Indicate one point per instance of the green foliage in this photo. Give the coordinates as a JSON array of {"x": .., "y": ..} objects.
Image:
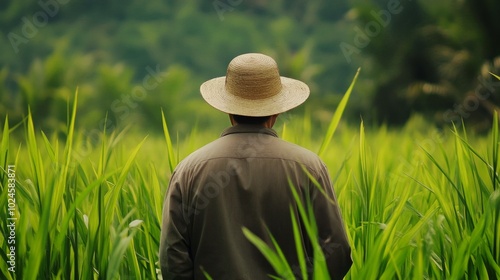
[
  {"x": 105, "y": 51},
  {"x": 426, "y": 58},
  {"x": 432, "y": 58},
  {"x": 336, "y": 117},
  {"x": 81, "y": 219},
  {"x": 417, "y": 203},
  {"x": 419, "y": 206}
]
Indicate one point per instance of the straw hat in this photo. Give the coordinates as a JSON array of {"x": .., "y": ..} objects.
[{"x": 253, "y": 87}]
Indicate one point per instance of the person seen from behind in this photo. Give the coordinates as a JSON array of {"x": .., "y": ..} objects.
[{"x": 244, "y": 179}]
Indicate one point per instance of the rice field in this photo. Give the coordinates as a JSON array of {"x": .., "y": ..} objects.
[{"x": 418, "y": 202}]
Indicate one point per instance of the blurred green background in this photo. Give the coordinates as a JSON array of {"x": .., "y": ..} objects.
[{"x": 129, "y": 59}]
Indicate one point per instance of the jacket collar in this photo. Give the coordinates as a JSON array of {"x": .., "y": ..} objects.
[{"x": 248, "y": 128}]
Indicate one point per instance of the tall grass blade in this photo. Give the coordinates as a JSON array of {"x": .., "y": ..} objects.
[
  {"x": 494, "y": 146},
  {"x": 496, "y": 190},
  {"x": 4, "y": 148},
  {"x": 298, "y": 245},
  {"x": 4, "y": 161},
  {"x": 113, "y": 196},
  {"x": 205, "y": 273},
  {"x": 279, "y": 265},
  {"x": 41, "y": 239},
  {"x": 172, "y": 160},
  {"x": 320, "y": 270},
  {"x": 336, "y": 117}
]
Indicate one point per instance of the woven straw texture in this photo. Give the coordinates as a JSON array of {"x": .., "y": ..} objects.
[{"x": 253, "y": 87}]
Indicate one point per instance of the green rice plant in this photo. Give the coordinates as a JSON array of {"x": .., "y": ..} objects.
[
  {"x": 337, "y": 116},
  {"x": 418, "y": 202},
  {"x": 172, "y": 159},
  {"x": 81, "y": 218},
  {"x": 468, "y": 233},
  {"x": 380, "y": 216}
]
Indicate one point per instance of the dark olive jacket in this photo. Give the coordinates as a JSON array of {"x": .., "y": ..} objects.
[{"x": 242, "y": 180}]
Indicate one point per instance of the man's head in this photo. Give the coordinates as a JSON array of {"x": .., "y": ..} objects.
[{"x": 253, "y": 87}]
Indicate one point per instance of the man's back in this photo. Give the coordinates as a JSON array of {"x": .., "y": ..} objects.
[{"x": 242, "y": 180}]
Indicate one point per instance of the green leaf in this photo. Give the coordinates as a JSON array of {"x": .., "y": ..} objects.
[
  {"x": 272, "y": 257},
  {"x": 336, "y": 117},
  {"x": 298, "y": 245},
  {"x": 172, "y": 160}
]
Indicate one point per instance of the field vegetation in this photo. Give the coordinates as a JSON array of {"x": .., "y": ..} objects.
[
  {"x": 418, "y": 203},
  {"x": 99, "y": 101}
]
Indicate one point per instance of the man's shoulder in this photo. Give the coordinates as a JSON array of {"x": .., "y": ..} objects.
[
  {"x": 299, "y": 154},
  {"x": 256, "y": 147}
]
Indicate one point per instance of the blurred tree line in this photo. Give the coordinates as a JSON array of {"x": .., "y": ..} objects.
[
  {"x": 130, "y": 58},
  {"x": 435, "y": 58}
]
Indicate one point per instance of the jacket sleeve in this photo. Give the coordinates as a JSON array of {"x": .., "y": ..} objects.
[
  {"x": 175, "y": 258},
  {"x": 331, "y": 230}
]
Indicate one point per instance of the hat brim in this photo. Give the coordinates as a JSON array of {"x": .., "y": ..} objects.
[{"x": 292, "y": 94}]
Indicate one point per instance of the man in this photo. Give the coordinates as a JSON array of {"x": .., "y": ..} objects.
[{"x": 242, "y": 180}]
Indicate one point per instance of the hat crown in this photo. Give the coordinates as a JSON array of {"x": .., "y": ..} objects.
[{"x": 253, "y": 76}]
